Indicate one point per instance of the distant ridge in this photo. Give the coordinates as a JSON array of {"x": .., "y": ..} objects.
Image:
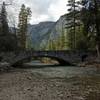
[{"x": 44, "y": 31}]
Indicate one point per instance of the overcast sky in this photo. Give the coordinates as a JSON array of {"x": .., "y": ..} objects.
[{"x": 42, "y": 10}]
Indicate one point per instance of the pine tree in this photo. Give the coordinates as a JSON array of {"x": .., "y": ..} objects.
[
  {"x": 72, "y": 21},
  {"x": 8, "y": 41},
  {"x": 24, "y": 16},
  {"x": 91, "y": 20},
  {"x": 4, "y": 22}
]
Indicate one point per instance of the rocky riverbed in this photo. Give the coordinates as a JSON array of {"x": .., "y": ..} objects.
[{"x": 45, "y": 84}]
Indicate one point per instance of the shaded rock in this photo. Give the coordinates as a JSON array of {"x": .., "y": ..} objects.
[{"x": 4, "y": 66}]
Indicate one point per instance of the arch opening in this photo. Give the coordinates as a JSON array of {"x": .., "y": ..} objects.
[{"x": 56, "y": 60}]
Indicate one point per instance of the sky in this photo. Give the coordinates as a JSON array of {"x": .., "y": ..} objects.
[{"x": 42, "y": 10}]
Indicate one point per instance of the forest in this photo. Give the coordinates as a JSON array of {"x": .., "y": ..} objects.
[
  {"x": 80, "y": 32},
  {"x": 43, "y": 57},
  {"x": 82, "y": 29}
]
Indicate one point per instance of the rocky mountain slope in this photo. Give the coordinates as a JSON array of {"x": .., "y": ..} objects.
[{"x": 41, "y": 33}]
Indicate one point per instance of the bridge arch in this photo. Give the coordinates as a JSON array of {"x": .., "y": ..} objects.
[
  {"x": 61, "y": 61},
  {"x": 63, "y": 57}
]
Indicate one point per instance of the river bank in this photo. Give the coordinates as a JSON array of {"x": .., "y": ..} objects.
[
  {"x": 63, "y": 83},
  {"x": 93, "y": 62}
]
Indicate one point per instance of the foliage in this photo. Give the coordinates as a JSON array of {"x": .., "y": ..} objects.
[
  {"x": 91, "y": 20},
  {"x": 87, "y": 15},
  {"x": 72, "y": 21},
  {"x": 58, "y": 44},
  {"x": 3, "y": 20},
  {"x": 6, "y": 37},
  {"x": 24, "y": 16}
]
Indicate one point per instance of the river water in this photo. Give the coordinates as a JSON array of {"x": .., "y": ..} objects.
[
  {"x": 82, "y": 83},
  {"x": 52, "y": 71}
]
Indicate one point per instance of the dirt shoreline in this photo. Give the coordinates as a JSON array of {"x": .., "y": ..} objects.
[{"x": 21, "y": 84}]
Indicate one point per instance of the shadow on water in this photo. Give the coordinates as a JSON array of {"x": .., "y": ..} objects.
[
  {"x": 34, "y": 66},
  {"x": 39, "y": 64}
]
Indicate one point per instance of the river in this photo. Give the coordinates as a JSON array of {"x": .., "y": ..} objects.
[
  {"x": 52, "y": 71},
  {"x": 39, "y": 81},
  {"x": 84, "y": 82}
]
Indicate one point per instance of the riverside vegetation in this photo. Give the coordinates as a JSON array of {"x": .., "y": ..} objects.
[
  {"x": 73, "y": 31},
  {"x": 79, "y": 29}
]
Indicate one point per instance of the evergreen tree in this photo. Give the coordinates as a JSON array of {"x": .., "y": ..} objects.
[
  {"x": 91, "y": 20},
  {"x": 72, "y": 21},
  {"x": 4, "y": 22},
  {"x": 8, "y": 41},
  {"x": 24, "y": 16}
]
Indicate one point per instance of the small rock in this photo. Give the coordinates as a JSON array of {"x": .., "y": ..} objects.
[
  {"x": 61, "y": 95},
  {"x": 29, "y": 78},
  {"x": 79, "y": 98}
]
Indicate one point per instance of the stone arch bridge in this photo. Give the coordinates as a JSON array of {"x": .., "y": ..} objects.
[{"x": 64, "y": 57}]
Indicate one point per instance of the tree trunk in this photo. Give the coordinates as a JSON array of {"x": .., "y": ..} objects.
[
  {"x": 97, "y": 28},
  {"x": 98, "y": 50}
]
